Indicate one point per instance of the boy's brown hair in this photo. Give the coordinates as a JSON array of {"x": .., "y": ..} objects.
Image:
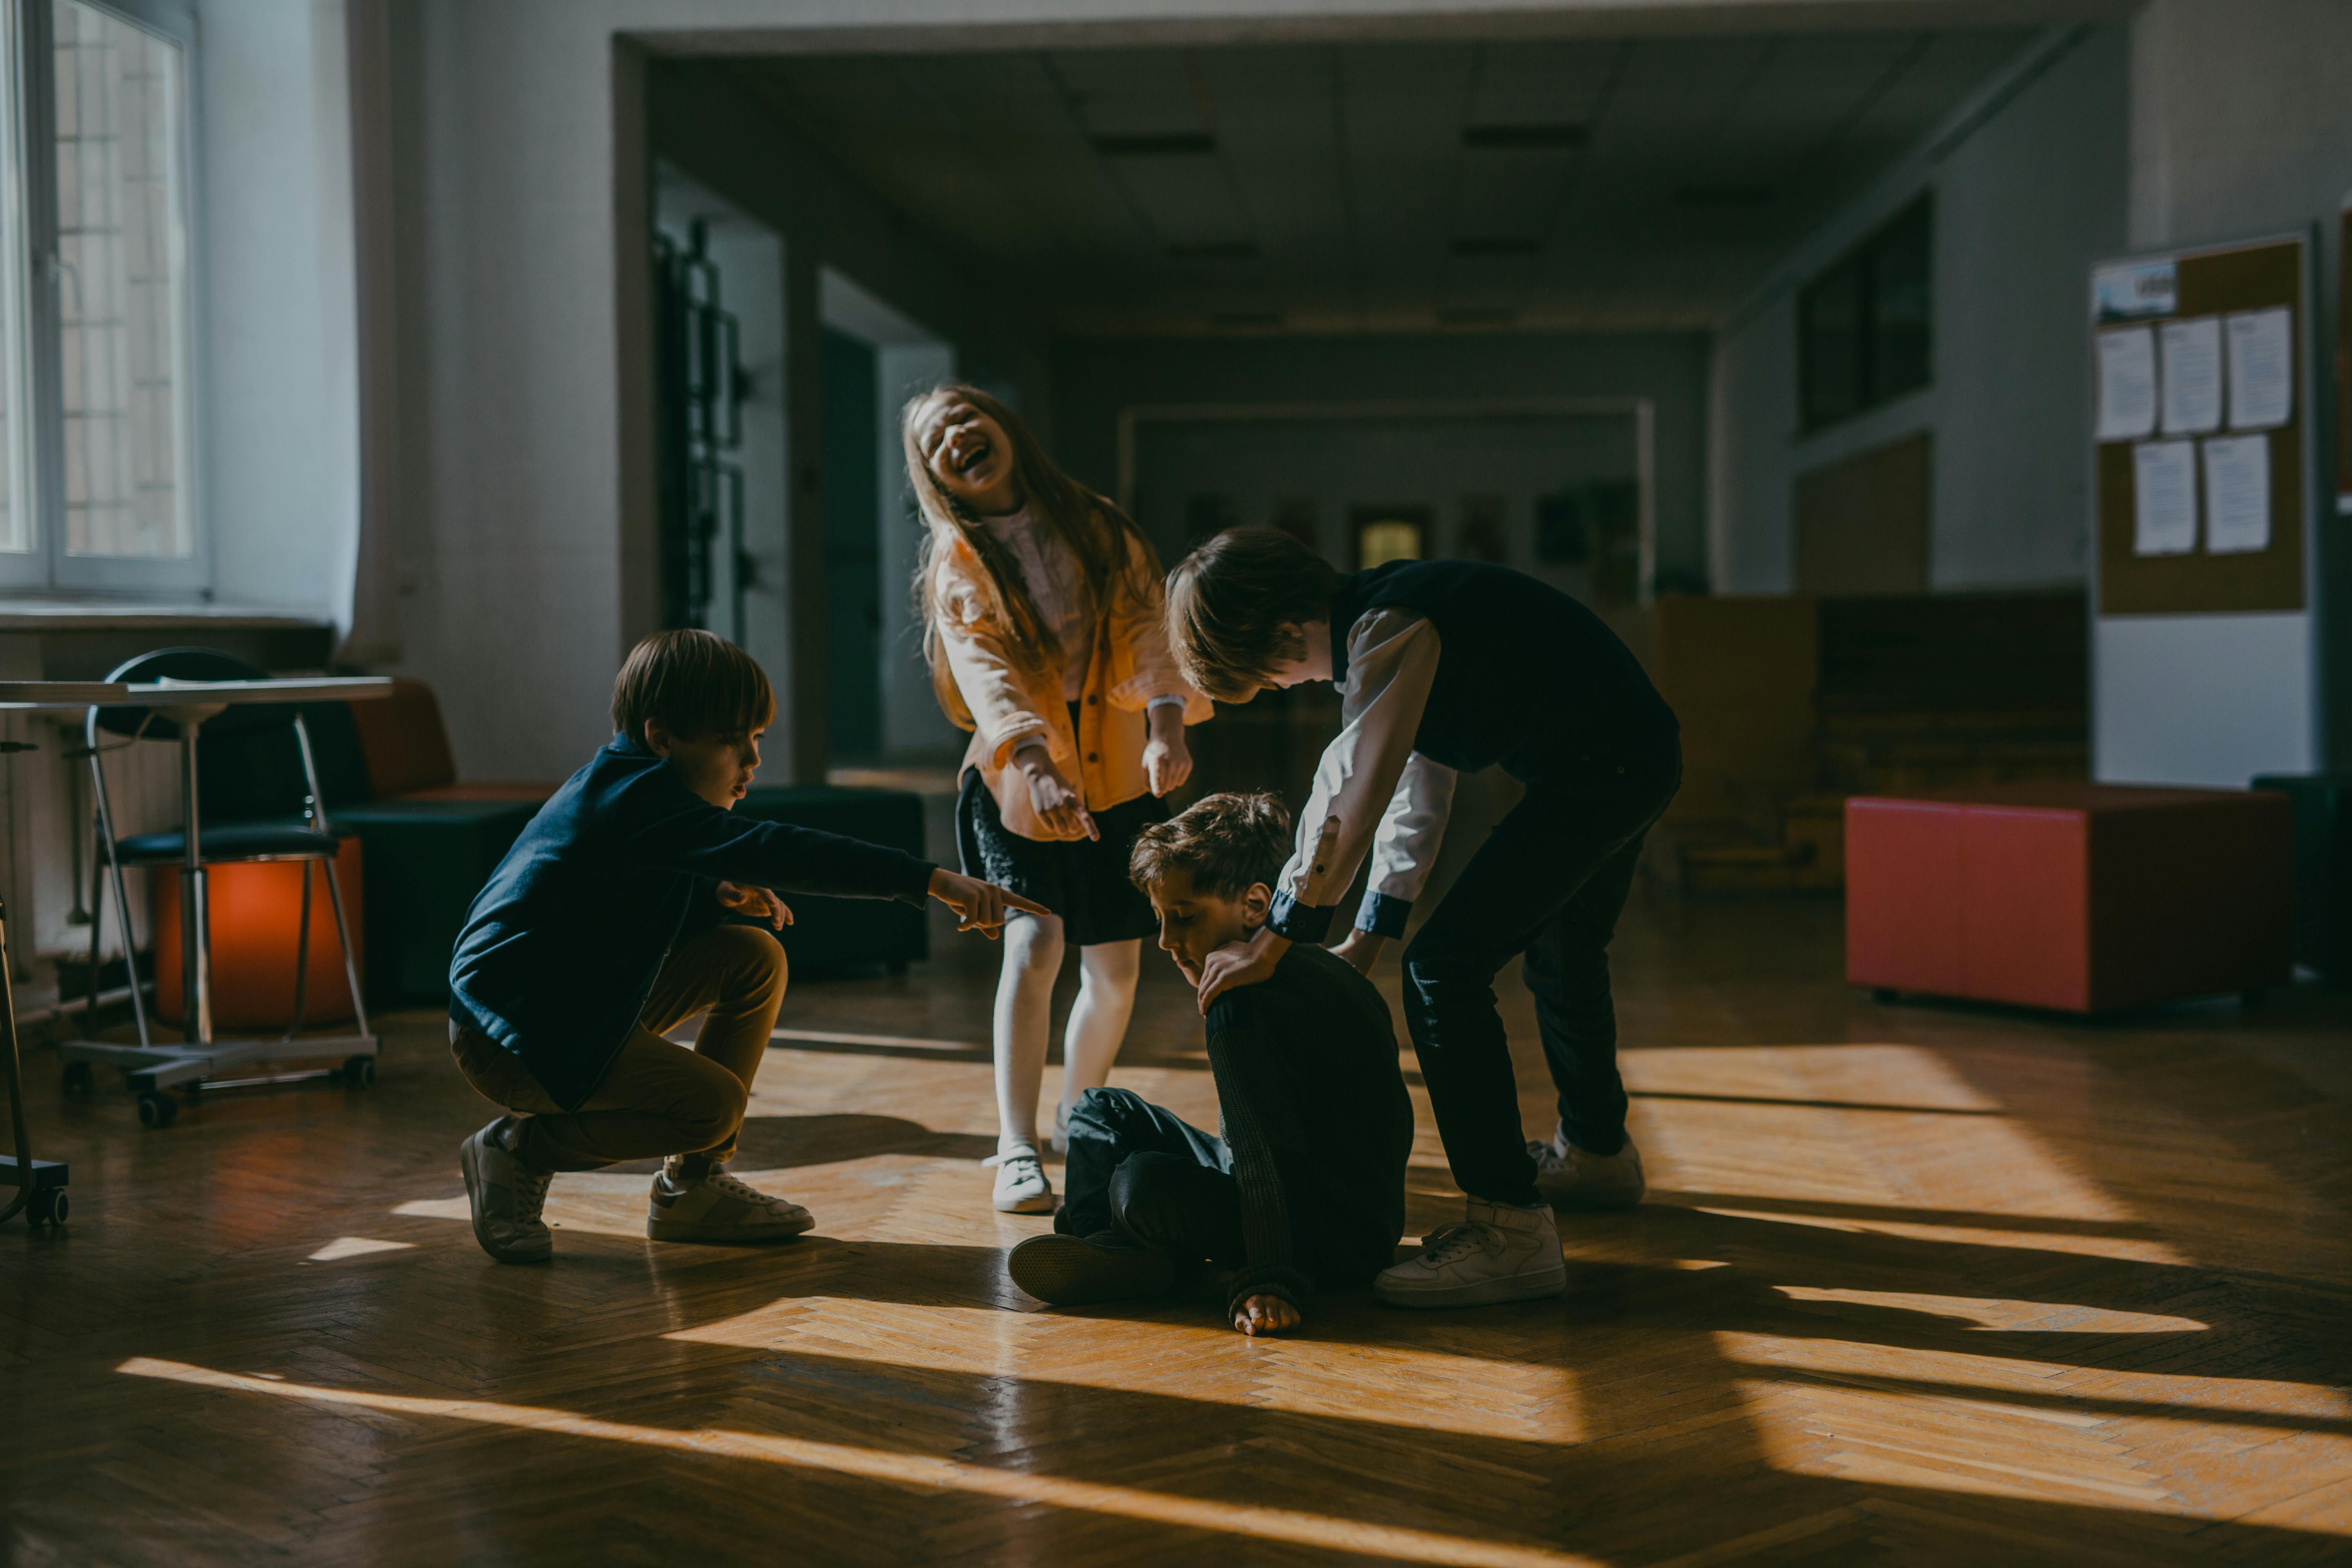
[
  {"x": 1227, "y": 841},
  {"x": 696, "y": 683},
  {"x": 1227, "y": 602}
]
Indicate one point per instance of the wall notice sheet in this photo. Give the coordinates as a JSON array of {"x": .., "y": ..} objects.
[
  {"x": 2164, "y": 489},
  {"x": 2237, "y": 494},
  {"x": 2261, "y": 369},
  {"x": 2192, "y": 376},
  {"x": 2126, "y": 383}
]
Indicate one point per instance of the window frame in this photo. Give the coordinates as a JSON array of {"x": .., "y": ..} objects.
[
  {"x": 1859, "y": 268},
  {"x": 49, "y": 567}
]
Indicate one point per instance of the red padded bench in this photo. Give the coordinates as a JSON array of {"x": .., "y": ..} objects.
[{"x": 2077, "y": 897}]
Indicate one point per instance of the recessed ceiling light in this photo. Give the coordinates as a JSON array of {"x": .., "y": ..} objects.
[
  {"x": 1553, "y": 137},
  {"x": 1496, "y": 245},
  {"x": 1155, "y": 144}
]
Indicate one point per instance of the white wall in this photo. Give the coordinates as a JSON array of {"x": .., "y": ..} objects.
[
  {"x": 2029, "y": 189},
  {"x": 279, "y": 419},
  {"x": 2238, "y": 129}
]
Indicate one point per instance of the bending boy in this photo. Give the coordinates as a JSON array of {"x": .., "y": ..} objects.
[
  {"x": 605, "y": 926},
  {"x": 1446, "y": 666},
  {"x": 1306, "y": 1189}
]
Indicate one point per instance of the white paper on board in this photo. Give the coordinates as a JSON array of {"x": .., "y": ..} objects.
[
  {"x": 2261, "y": 369},
  {"x": 2192, "y": 376},
  {"x": 2128, "y": 289},
  {"x": 2164, "y": 498},
  {"x": 2126, "y": 383},
  {"x": 2237, "y": 494}
]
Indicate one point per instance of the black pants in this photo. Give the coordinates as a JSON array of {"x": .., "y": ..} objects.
[
  {"x": 1548, "y": 883},
  {"x": 1155, "y": 1179}
]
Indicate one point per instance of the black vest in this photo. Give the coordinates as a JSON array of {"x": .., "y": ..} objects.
[{"x": 1525, "y": 670}]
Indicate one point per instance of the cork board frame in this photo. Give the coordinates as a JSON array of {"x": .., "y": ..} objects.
[{"x": 2218, "y": 280}]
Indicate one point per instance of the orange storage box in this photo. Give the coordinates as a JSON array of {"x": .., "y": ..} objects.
[
  {"x": 2077, "y": 897},
  {"x": 256, "y": 909}
]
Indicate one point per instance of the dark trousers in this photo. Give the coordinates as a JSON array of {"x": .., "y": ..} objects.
[
  {"x": 1550, "y": 884},
  {"x": 1153, "y": 1178}
]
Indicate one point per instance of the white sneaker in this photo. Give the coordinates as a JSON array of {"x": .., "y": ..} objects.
[
  {"x": 1573, "y": 1178},
  {"x": 718, "y": 1207},
  {"x": 1496, "y": 1253},
  {"x": 1021, "y": 1183}
]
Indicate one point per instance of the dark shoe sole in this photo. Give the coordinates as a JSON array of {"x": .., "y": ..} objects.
[
  {"x": 728, "y": 1236},
  {"x": 469, "y": 1160},
  {"x": 1065, "y": 1271}
]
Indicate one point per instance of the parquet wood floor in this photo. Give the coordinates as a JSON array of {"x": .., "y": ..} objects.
[{"x": 1914, "y": 1286}]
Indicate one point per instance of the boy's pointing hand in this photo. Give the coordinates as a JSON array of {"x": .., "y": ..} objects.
[
  {"x": 757, "y": 902},
  {"x": 978, "y": 906}
]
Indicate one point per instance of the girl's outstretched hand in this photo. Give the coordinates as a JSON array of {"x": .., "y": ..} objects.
[
  {"x": 978, "y": 906},
  {"x": 1058, "y": 806},
  {"x": 1167, "y": 760},
  {"x": 758, "y": 902}
]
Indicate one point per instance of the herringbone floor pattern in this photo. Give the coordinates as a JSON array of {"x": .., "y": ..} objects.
[{"x": 1914, "y": 1286}]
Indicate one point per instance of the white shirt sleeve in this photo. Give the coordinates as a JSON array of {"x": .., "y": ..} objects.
[
  {"x": 1392, "y": 660},
  {"x": 1404, "y": 846}
]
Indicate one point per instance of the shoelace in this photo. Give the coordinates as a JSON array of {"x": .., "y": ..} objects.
[
  {"x": 1547, "y": 1155},
  {"x": 1012, "y": 1161},
  {"x": 530, "y": 1191},
  {"x": 1459, "y": 1239},
  {"x": 733, "y": 1188}
]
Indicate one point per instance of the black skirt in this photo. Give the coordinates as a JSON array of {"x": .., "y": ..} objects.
[{"x": 1084, "y": 881}]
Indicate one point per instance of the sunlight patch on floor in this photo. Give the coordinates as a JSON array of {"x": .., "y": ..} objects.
[
  {"x": 1199, "y": 1359},
  {"x": 2006, "y": 1316},
  {"x": 344, "y": 1246},
  {"x": 922, "y": 1471}
]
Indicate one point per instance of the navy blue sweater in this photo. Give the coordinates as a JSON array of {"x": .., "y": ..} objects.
[{"x": 562, "y": 946}]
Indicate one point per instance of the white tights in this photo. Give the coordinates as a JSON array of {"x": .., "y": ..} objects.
[{"x": 1024, "y": 1000}]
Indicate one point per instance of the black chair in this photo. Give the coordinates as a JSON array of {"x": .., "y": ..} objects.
[{"x": 264, "y": 739}]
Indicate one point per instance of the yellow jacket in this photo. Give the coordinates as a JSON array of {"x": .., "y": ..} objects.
[{"x": 1002, "y": 703}]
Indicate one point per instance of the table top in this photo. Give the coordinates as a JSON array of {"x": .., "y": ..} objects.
[
  {"x": 292, "y": 688},
  {"x": 33, "y": 694}
]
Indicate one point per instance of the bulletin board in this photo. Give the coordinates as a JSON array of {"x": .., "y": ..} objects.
[{"x": 2152, "y": 560}]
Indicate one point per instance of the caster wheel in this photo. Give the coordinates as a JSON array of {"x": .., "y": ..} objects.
[
  {"x": 157, "y": 1111},
  {"x": 359, "y": 1073},
  {"x": 48, "y": 1208},
  {"x": 78, "y": 1079}
]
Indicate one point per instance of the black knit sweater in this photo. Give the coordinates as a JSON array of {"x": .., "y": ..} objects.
[{"x": 1320, "y": 1127}]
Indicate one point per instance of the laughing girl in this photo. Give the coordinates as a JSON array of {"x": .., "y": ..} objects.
[{"x": 1041, "y": 624}]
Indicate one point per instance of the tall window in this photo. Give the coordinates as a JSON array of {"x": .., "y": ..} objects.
[
  {"x": 94, "y": 426},
  {"x": 1863, "y": 324}
]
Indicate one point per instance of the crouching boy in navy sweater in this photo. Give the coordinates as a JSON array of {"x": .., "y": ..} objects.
[
  {"x": 1307, "y": 1186},
  {"x": 1446, "y": 666},
  {"x": 604, "y": 927}
]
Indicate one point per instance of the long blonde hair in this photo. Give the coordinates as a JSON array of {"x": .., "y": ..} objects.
[{"x": 1102, "y": 540}]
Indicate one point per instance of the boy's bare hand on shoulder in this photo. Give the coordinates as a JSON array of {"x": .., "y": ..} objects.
[
  {"x": 757, "y": 902},
  {"x": 1249, "y": 962},
  {"x": 1265, "y": 1315},
  {"x": 978, "y": 906},
  {"x": 1361, "y": 949}
]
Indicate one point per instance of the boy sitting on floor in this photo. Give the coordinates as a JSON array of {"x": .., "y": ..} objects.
[
  {"x": 1307, "y": 1186},
  {"x": 605, "y": 926}
]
